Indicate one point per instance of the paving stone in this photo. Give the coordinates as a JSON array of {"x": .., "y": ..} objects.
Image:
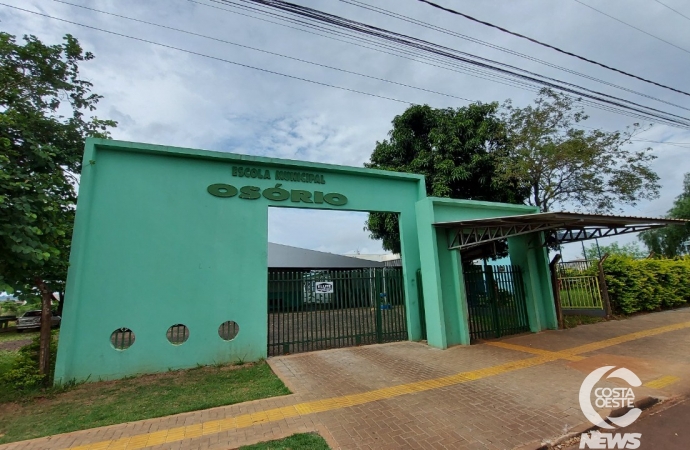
[{"x": 504, "y": 410}]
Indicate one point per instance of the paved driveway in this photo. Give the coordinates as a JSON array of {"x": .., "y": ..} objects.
[{"x": 514, "y": 392}]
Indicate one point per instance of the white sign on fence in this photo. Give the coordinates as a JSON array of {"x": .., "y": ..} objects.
[{"x": 323, "y": 287}]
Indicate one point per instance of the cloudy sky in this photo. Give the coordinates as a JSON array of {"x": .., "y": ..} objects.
[{"x": 165, "y": 96}]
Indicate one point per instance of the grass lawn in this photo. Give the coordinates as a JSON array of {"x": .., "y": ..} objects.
[
  {"x": 12, "y": 335},
  {"x": 573, "y": 321},
  {"x": 6, "y": 359},
  {"x": 89, "y": 405},
  {"x": 302, "y": 441}
]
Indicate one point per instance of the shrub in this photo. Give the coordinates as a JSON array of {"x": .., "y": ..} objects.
[
  {"x": 647, "y": 284},
  {"x": 24, "y": 373}
]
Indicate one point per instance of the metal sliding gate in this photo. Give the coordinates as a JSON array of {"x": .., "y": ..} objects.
[
  {"x": 495, "y": 301},
  {"x": 578, "y": 285},
  {"x": 320, "y": 309}
]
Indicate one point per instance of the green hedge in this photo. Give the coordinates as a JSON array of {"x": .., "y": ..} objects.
[{"x": 647, "y": 284}]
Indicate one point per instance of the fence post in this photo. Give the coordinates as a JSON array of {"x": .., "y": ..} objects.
[
  {"x": 492, "y": 294},
  {"x": 602, "y": 286},
  {"x": 379, "y": 318},
  {"x": 556, "y": 289}
]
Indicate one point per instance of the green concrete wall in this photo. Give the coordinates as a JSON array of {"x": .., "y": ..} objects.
[
  {"x": 152, "y": 248},
  {"x": 444, "y": 296},
  {"x": 528, "y": 252}
]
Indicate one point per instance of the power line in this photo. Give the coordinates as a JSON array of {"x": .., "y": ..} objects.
[
  {"x": 191, "y": 33},
  {"x": 272, "y": 53},
  {"x": 632, "y": 26},
  {"x": 458, "y": 67},
  {"x": 226, "y": 60},
  {"x": 675, "y": 144},
  {"x": 445, "y": 52},
  {"x": 191, "y": 52},
  {"x": 565, "y": 52},
  {"x": 498, "y": 47},
  {"x": 406, "y": 54},
  {"x": 674, "y": 10}
]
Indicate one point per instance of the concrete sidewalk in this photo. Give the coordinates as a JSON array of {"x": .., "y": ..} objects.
[{"x": 496, "y": 395}]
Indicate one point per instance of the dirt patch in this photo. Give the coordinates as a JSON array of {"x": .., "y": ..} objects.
[{"x": 12, "y": 346}]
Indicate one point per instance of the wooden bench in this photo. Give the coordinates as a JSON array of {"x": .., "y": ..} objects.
[{"x": 5, "y": 321}]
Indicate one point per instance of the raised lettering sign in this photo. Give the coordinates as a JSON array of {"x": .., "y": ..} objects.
[{"x": 277, "y": 194}]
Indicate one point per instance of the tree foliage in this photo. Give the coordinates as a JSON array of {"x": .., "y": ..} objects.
[
  {"x": 629, "y": 250},
  {"x": 672, "y": 240},
  {"x": 455, "y": 149},
  {"x": 41, "y": 154},
  {"x": 43, "y": 123},
  {"x": 561, "y": 164}
]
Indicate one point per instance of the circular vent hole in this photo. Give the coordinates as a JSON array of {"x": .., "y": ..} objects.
[
  {"x": 178, "y": 334},
  {"x": 122, "y": 338},
  {"x": 228, "y": 330}
]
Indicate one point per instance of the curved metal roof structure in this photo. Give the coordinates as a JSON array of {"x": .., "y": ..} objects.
[{"x": 560, "y": 227}]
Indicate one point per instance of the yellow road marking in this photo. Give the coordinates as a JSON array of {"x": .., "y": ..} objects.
[
  {"x": 662, "y": 382},
  {"x": 247, "y": 420},
  {"x": 535, "y": 351},
  {"x": 625, "y": 338}
]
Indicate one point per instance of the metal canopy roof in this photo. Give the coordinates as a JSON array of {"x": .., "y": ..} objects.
[{"x": 560, "y": 227}]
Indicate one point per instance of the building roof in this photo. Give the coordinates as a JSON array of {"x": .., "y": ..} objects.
[
  {"x": 376, "y": 256},
  {"x": 562, "y": 226},
  {"x": 287, "y": 257}
]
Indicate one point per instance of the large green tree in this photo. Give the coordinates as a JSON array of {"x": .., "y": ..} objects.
[
  {"x": 564, "y": 166},
  {"x": 44, "y": 108},
  {"x": 456, "y": 149},
  {"x": 672, "y": 240}
]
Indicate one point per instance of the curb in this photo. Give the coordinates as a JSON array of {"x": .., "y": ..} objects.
[{"x": 548, "y": 444}]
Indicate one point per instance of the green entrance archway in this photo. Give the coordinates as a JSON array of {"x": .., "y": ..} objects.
[
  {"x": 168, "y": 237},
  {"x": 168, "y": 267}
]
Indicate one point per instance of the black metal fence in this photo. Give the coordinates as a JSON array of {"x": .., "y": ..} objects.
[
  {"x": 495, "y": 301},
  {"x": 320, "y": 309}
]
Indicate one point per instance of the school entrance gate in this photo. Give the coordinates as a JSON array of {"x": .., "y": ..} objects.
[
  {"x": 321, "y": 309},
  {"x": 169, "y": 262},
  {"x": 495, "y": 301}
]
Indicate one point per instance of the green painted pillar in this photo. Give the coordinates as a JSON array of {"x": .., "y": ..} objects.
[
  {"x": 431, "y": 276},
  {"x": 410, "y": 263},
  {"x": 460, "y": 295},
  {"x": 445, "y": 303},
  {"x": 527, "y": 252}
]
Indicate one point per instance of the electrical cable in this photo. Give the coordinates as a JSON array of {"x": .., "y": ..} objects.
[
  {"x": 674, "y": 10},
  {"x": 204, "y": 55},
  {"x": 631, "y": 26},
  {"x": 419, "y": 44},
  {"x": 465, "y": 70},
  {"x": 565, "y": 52},
  {"x": 499, "y": 48},
  {"x": 462, "y": 68},
  {"x": 191, "y": 33},
  {"x": 191, "y": 52}
]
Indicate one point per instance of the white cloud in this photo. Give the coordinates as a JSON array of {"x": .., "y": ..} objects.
[{"x": 168, "y": 97}]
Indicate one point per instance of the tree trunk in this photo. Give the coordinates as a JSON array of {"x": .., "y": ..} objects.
[
  {"x": 46, "y": 316},
  {"x": 536, "y": 193}
]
